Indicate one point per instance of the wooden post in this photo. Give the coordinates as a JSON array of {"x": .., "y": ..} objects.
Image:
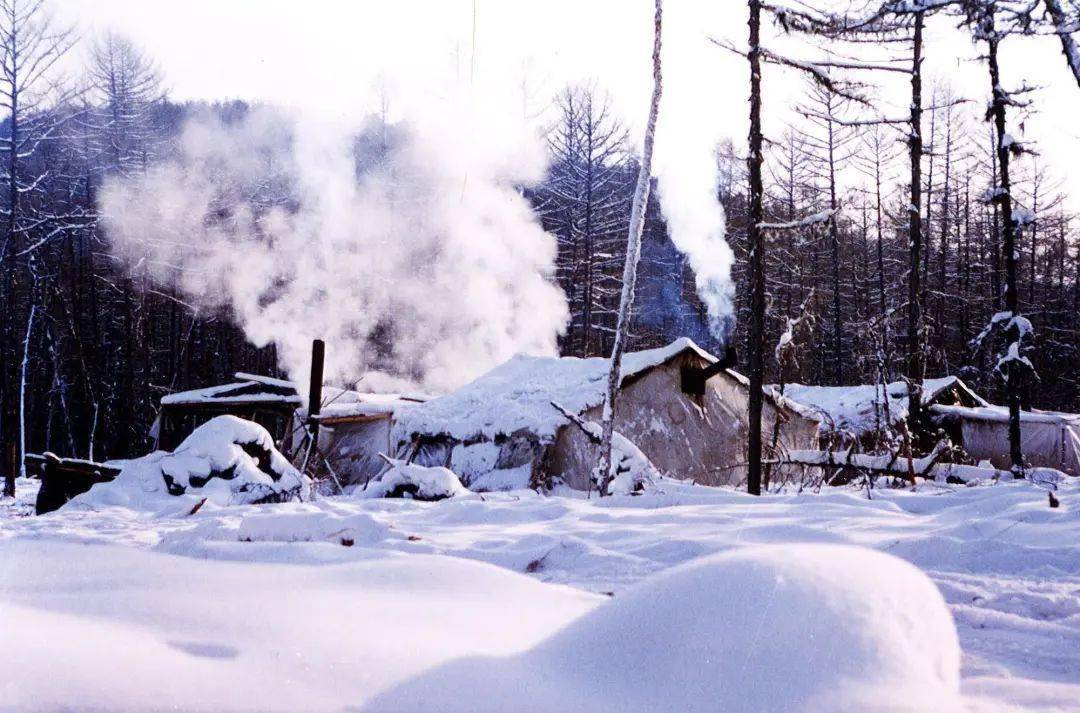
[
  {"x": 13, "y": 469},
  {"x": 318, "y": 355}
]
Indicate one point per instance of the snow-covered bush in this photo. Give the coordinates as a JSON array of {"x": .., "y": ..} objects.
[
  {"x": 227, "y": 460},
  {"x": 632, "y": 469},
  {"x": 405, "y": 480},
  {"x": 809, "y": 627}
]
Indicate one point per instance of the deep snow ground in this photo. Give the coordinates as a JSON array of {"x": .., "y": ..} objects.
[{"x": 1007, "y": 564}]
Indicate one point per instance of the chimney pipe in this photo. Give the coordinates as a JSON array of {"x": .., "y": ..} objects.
[
  {"x": 694, "y": 378},
  {"x": 318, "y": 355}
]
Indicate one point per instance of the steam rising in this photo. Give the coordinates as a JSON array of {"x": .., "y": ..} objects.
[
  {"x": 690, "y": 129},
  {"x": 407, "y": 248}
]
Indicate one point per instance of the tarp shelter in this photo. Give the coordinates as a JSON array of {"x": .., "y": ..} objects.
[
  {"x": 849, "y": 414},
  {"x": 502, "y": 431},
  {"x": 1047, "y": 438},
  {"x": 354, "y": 428},
  {"x": 267, "y": 401}
]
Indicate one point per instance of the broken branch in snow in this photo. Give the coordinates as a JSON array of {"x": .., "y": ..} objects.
[
  {"x": 892, "y": 464},
  {"x": 580, "y": 423}
]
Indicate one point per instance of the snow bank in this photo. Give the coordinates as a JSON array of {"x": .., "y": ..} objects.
[
  {"x": 795, "y": 628},
  {"x": 227, "y": 461},
  {"x": 118, "y": 629},
  {"x": 518, "y": 394},
  {"x": 312, "y": 526},
  {"x": 417, "y": 482}
]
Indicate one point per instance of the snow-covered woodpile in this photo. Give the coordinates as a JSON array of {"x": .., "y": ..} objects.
[
  {"x": 502, "y": 429},
  {"x": 227, "y": 461}
]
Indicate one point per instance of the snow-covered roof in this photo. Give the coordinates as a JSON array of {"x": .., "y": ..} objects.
[
  {"x": 857, "y": 408},
  {"x": 1000, "y": 414},
  {"x": 268, "y": 380},
  {"x": 247, "y": 389},
  {"x": 337, "y": 403},
  {"x": 517, "y": 395},
  {"x": 344, "y": 403}
]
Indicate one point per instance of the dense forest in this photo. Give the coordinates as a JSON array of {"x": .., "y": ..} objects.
[{"x": 88, "y": 345}]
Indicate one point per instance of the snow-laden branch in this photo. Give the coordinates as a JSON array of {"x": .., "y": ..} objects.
[{"x": 816, "y": 219}]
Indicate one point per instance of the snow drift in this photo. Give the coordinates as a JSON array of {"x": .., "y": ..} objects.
[
  {"x": 417, "y": 482},
  {"x": 794, "y": 628},
  {"x": 227, "y": 461},
  {"x": 118, "y": 629}
]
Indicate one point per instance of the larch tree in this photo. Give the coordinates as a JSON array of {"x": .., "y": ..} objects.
[
  {"x": 585, "y": 203},
  {"x": 829, "y": 145},
  {"x": 126, "y": 87},
  {"x": 1013, "y": 365}
]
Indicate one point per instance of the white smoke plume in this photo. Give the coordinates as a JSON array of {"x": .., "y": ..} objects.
[
  {"x": 421, "y": 260},
  {"x": 689, "y": 130}
]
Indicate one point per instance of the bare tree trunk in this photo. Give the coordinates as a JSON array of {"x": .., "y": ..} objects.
[
  {"x": 633, "y": 252},
  {"x": 915, "y": 146},
  {"x": 22, "y": 390},
  {"x": 943, "y": 245},
  {"x": 834, "y": 248},
  {"x": 756, "y": 237},
  {"x": 883, "y": 354},
  {"x": 1013, "y": 371}
]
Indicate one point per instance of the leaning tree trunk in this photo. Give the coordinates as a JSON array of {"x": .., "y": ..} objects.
[
  {"x": 1064, "y": 26},
  {"x": 914, "y": 312},
  {"x": 633, "y": 252},
  {"x": 1014, "y": 373},
  {"x": 755, "y": 235}
]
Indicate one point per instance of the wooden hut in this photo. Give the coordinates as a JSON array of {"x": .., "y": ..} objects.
[{"x": 267, "y": 401}]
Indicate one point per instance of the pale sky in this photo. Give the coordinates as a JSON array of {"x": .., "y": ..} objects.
[{"x": 329, "y": 55}]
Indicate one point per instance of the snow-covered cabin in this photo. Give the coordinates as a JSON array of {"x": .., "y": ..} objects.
[
  {"x": 267, "y": 401},
  {"x": 501, "y": 430},
  {"x": 849, "y": 414},
  {"x": 1047, "y": 438},
  {"x": 354, "y": 428}
]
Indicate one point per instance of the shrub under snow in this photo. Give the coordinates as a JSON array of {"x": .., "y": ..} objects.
[
  {"x": 405, "y": 480},
  {"x": 821, "y": 628},
  {"x": 227, "y": 460}
]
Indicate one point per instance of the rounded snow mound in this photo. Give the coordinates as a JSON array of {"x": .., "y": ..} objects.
[
  {"x": 226, "y": 461},
  {"x": 415, "y": 482},
  {"x": 823, "y": 628}
]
